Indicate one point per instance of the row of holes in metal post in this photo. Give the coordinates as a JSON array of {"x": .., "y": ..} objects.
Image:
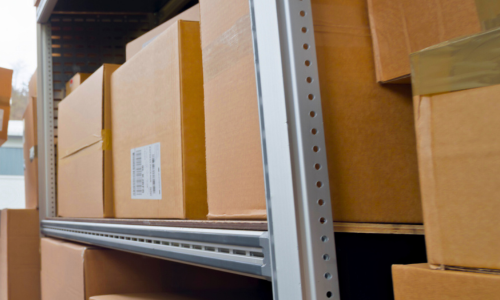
[{"x": 316, "y": 149}]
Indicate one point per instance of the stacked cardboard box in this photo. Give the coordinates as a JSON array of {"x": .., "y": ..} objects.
[
  {"x": 369, "y": 130},
  {"x": 403, "y": 27},
  {"x": 5, "y": 93},
  {"x": 19, "y": 255},
  {"x": 75, "y": 82},
  {"x": 456, "y": 86},
  {"x": 31, "y": 148},
  {"x": 85, "y": 185},
  {"x": 158, "y": 129}
]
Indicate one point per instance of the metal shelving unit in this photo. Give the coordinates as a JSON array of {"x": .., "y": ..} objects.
[{"x": 297, "y": 252}]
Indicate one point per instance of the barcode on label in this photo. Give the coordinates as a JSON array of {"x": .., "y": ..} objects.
[{"x": 146, "y": 172}]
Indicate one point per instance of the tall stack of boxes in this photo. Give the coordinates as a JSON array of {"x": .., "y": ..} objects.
[{"x": 456, "y": 86}]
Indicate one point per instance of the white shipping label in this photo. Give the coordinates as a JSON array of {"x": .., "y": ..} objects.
[
  {"x": 1, "y": 119},
  {"x": 146, "y": 172}
]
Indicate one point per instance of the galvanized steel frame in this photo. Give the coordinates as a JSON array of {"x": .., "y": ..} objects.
[{"x": 299, "y": 250}]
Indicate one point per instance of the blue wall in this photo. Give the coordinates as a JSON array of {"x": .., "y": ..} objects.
[{"x": 11, "y": 161}]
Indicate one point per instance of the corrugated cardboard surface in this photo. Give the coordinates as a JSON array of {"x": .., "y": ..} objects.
[
  {"x": 191, "y": 14},
  {"x": 419, "y": 282},
  {"x": 32, "y": 86},
  {"x": 369, "y": 129},
  {"x": 402, "y": 27},
  {"x": 30, "y": 163},
  {"x": 5, "y": 109},
  {"x": 75, "y": 82},
  {"x": 19, "y": 255},
  {"x": 84, "y": 162},
  {"x": 235, "y": 177},
  {"x": 158, "y": 98},
  {"x": 459, "y": 161},
  {"x": 77, "y": 272}
]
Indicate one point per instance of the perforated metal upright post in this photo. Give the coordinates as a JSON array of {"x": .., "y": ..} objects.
[{"x": 304, "y": 262}]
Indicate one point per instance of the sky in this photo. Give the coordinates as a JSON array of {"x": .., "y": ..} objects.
[{"x": 18, "y": 39}]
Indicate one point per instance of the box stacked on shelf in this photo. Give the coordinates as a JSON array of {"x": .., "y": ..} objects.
[
  {"x": 403, "y": 27},
  {"x": 30, "y": 147},
  {"x": 369, "y": 130},
  {"x": 5, "y": 93},
  {"x": 75, "y": 82},
  {"x": 456, "y": 86},
  {"x": 85, "y": 186},
  {"x": 19, "y": 255}
]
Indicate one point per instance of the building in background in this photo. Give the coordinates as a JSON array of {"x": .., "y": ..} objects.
[{"x": 12, "y": 168}]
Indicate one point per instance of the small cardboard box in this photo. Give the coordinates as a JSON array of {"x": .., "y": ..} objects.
[
  {"x": 191, "y": 14},
  {"x": 30, "y": 155},
  {"x": 403, "y": 27},
  {"x": 419, "y": 282},
  {"x": 84, "y": 175},
  {"x": 457, "y": 85},
  {"x": 19, "y": 255},
  {"x": 158, "y": 129},
  {"x": 75, "y": 82},
  {"x": 77, "y": 272},
  {"x": 5, "y": 93},
  {"x": 369, "y": 129}
]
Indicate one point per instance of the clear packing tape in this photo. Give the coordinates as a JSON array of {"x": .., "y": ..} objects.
[
  {"x": 459, "y": 64},
  {"x": 104, "y": 139},
  {"x": 489, "y": 13}
]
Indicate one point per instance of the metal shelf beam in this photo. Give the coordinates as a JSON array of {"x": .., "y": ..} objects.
[{"x": 239, "y": 251}]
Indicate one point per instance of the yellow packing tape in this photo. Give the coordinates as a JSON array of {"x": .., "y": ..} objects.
[{"x": 489, "y": 13}]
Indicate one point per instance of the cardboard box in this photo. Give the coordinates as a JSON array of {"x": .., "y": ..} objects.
[
  {"x": 220, "y": 294},
  {"x": 30, "y": 155},
  {"x": 419, "y": 282},
  {"x": 75, "y": 82},
  {"x": 369, "y": 129},
  {"x": 5, "y": 93},
  {"x": 456, "y": 113},
  {"x": 77, "y": 272},
  {"x": 158, "y": 124},
  {"x": 403, "y": 27},
  {"x": 19, "y": 255},
  {"x": 191, "y": 14},
  {"x": 84, "y": 175}
]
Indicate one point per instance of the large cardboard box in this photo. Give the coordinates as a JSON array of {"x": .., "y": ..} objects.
[
  {"x": 78, "y": 272},
  {"x": 403, "y": 27},
  {"x": 419, "y": 282},
  {"x": 191, "y": 14},
  {"x": 5, "y": 93},
  {"x": 85, "y": 183},
  {"x": 19, "y": 255},
  {"x": 75, "y": 82},
  {"x": 158, "y": 129},
  {"x": 456, "y": 113},
  {"x": 369, "y": 129},
  {"x": 30, "y": 155}
]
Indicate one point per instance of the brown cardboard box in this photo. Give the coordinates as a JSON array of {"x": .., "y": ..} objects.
[
  {"x": 222, "y": 294},
  {"x": 78, "y": 272},
  {"x": 419, "y": 282},
  {"x": 456, "y": 113},
  {"x": 84, "y": 175},
  {"x": 5, "y": 93},
  {"x": 403, "y": 27},
  {"x": 75, "y": 82},
  {"x": 369, "y": 129},
  {"x": 191, "y": 14},
  {"x": 157, "y": 117},
  {"x": 19, "y": 255},
  {"x": 30, "y": 155}
]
